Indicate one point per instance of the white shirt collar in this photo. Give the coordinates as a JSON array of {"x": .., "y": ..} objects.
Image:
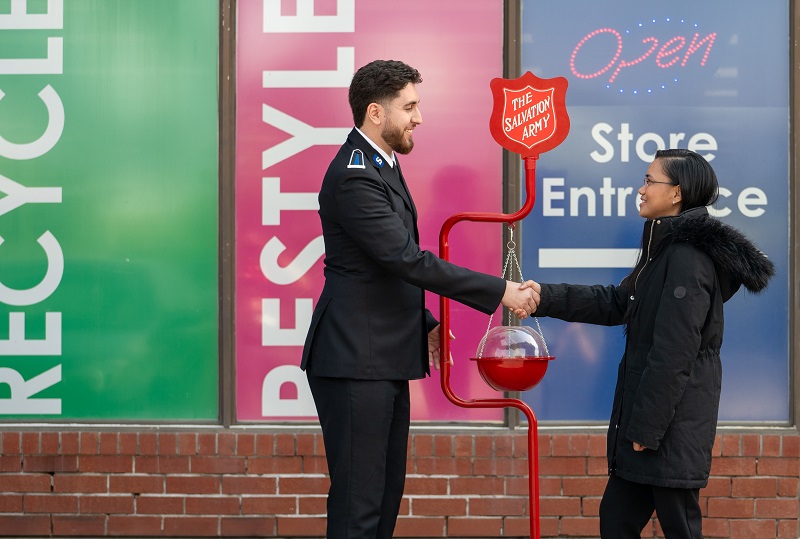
[{"x": 386, "y": 158}]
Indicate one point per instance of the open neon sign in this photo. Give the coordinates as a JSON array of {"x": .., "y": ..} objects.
[{"x": 670, "y": 53}]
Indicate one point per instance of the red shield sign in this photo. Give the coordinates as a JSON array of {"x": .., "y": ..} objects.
[{"x": 529, "y": 115}]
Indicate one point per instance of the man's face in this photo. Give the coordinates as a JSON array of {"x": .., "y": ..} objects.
[{"x": 402, "y": 116}]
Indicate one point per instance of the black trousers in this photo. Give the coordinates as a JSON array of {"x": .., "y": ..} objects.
[
  {"x": 365, "y": 429},
  {"x": 627, "y": 507}
]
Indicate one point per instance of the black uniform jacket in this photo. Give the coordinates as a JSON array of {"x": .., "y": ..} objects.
[
  {"x": 669, "y": 379},
  {"x": 370, "y": 321}
]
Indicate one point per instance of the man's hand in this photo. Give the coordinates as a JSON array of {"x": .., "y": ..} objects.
[
  {"x": 434, "y": 348},
  {"x": 521, "y": 299}
]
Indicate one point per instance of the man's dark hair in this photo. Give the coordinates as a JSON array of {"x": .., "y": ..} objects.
[
  {"x": 699, "y": 186},
  {"x": 378, "y": 82}
]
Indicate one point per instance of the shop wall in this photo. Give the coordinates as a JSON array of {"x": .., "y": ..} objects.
[
  {"x": 246, "y": 483},
  {"x": 136, "y": 168}
]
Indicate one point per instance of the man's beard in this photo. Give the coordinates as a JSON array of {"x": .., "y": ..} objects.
[{"x": 396, "y": 140}]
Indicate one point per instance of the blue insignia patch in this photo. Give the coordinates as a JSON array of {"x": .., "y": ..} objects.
[
  {"x": 378, "y": 160},
  {"x": 356, "y": 159}
]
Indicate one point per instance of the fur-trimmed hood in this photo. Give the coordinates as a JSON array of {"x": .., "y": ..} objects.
[{"x": 737, "y": 259}]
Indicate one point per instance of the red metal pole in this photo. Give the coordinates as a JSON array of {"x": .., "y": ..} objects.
[{"x": 444, "y": 252}]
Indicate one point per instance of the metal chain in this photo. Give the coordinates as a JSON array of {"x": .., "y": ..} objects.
[{"x": 511, "y": 256}]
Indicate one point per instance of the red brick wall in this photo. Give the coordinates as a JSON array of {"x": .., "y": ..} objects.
[{"x": 209, "y": 483}]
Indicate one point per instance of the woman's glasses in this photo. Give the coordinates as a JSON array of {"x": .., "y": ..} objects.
[{"x": 648, "y": 182}]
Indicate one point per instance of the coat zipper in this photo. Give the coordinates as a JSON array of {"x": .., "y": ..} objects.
[
  {"x": 647, "y": 260},
  {"x": 613, "y": 464}
]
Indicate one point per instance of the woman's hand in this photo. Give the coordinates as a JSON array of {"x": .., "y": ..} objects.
[{"x": 533, "y": 284}]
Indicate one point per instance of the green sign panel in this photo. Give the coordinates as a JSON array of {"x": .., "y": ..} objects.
[{"x": 108, "y": 210}]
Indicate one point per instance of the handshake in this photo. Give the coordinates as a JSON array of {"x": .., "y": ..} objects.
[{"x": 522, "y": 298}]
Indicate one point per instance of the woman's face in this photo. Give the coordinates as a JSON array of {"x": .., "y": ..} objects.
[{"x": 660, "y": 196}]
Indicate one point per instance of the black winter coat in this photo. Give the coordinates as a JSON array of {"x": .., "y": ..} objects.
[{"x": 669, "y": 378}]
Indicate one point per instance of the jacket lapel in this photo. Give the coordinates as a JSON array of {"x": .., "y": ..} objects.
[
  {"x": 391, "y": 176},
  {"x": 409, "y": 200}
]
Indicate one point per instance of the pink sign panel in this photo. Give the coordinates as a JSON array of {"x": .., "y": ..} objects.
[{"x": 294, "y": 65}]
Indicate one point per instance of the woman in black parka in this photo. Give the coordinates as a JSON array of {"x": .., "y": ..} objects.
[{"x": 666, "y": 400}]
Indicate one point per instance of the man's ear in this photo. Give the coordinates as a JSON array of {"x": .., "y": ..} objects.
[{"x": 374, "y": 114}]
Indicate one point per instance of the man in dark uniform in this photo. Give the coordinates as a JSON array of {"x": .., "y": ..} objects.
[{"x": 371, "y": 333}]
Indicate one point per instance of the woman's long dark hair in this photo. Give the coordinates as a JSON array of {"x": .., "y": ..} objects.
[
  {"x": 698, "y": 182},
  {"x": 699, "y": 187}
]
